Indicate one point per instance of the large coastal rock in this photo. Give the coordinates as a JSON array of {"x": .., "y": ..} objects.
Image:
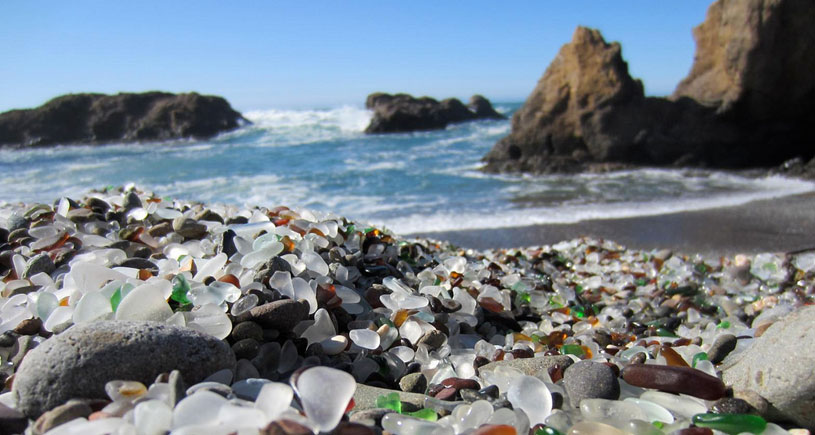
[
  {"x": 124, "y": 117},
  {"x": 78, "y": 362},
  {"x": 778, "y": 366},
  {"x": 754, "y": 57},
  {"x": 748, "y": 101},
  {"x": 403, "y": 113}
]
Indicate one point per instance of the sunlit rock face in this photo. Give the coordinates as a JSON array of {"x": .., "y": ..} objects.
[{"x": 747, "y": 101}]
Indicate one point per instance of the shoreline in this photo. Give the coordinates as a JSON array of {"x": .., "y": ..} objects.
[{"x": 782, "y": 224}]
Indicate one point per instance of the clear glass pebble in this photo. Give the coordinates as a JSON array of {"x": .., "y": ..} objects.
[
  {"x": 404, "y": 353},
  {"x": 594, "y": 428},
  {"x": 530, "y": 395},
  {"x": 398, "y": 424},
  {"x": 274, "y": 398},
  {"x": 681, "y": 406},
  {"x": 145, "y": 302},
  {"x": 240, "y": 419},
  {"x": 314, "y": 263},
  {"x": 325, "y": 393},
  {"x": 322, "y": 329},
  {"x": 654, "y": 411},
  {"x": 610, "y": 410},
  {"x": 334, "y": 345},
  {"x": 244, "y": 304},
  {"x": 365, "y": 338},
  {"x": 210, "y": 319},
  {"x": 153, "y": 417},
  {"x": 91, "y": 307},
  {"x": 200, "y": 408}
]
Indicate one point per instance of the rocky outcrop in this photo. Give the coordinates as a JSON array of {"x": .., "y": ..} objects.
[
  {"x": 124, "y": 117},
  {"x": 403, "y": 113},
  {"x": 748, "y": 101}
]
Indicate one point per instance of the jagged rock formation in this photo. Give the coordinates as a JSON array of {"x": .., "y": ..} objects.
[
  {"x": 403, "y": 113},
  {"x": 748, "y": 101},
  {"x": 124, "y": 117}
]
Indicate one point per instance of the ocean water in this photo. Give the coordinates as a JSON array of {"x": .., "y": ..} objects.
[{"x": 416, "y": 182}]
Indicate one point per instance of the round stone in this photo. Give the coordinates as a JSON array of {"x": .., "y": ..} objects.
[
  {"x": 590, "y": 380},
  {"x": 284, "y": 314},
  {"x": 37, "y": 264},
  {"x": 80, "y": 361},
  {"x": 245, "y": 330},
  {"x": 413, "y": 383},
  {"x": 246, "y": 348}
]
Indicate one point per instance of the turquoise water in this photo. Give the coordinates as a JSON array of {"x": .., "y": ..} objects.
[{"x": 418, "y": 182}]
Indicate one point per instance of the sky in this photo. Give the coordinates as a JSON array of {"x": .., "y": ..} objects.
[{"x": 297, "y": 54}]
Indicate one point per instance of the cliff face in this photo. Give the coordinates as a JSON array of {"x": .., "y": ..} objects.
[
  {"x": 124, "y": 117},
  {"x": 748, "y": 100},
  {"x": 754, "y": 57}
]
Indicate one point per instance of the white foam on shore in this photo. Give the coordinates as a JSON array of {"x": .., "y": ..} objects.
[{"x": 773, "y": 187}]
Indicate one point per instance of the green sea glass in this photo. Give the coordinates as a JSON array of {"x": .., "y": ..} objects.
[
  {"x": 115, "y": 298},
  {"x": 390, "y": 401},
  {"x": 180, "y": 289},
  {"x": 662, "y": 332},
  {"x": 731, "y": 423},
  {"x": 701, "y": 356},
  {"x": 572, "y": 349},
  {"x": 425, "y": 414}
]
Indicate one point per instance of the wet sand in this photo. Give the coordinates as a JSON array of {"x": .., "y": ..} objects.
[{"x": 775, "y": 225}]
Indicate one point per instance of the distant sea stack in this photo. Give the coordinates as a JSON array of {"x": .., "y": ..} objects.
[
  {"x": 403, "y": 113},
  {"x": 124, "y": 117},
  {"x": 749, "y": 100}
]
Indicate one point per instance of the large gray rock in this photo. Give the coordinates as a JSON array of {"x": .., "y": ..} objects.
[
  {"x": 78, "y": 362},
  {"x": 778, "y": 366}
]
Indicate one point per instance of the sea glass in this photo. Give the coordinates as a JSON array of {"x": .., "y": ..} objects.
[{"x": 731, "y": 423}]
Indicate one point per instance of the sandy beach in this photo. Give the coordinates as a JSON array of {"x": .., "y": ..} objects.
[{"x": 777, "y": 225}]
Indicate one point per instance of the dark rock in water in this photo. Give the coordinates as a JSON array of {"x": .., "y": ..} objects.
[
  {"x": 483, "y": 108},
  {"x": 749, "y": 100},
  {"x": 403, "y": 113},
  {"x": 78, "y": 362},
  {"x": 124, "y": 117}
]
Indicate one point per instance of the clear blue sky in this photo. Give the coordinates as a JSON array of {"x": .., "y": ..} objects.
[{"x": 296, "y": 54}]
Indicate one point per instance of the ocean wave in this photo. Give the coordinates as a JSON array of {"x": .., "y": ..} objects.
[{"x": 343, "y": 120}]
